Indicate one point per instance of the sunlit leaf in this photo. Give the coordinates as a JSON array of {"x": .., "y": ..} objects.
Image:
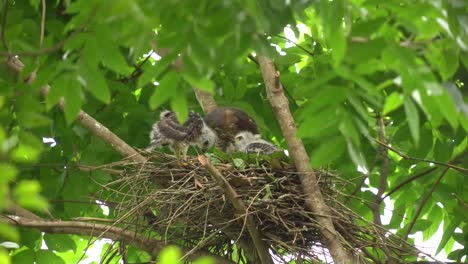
[
  {"x": 413, "y": 119},
  {"x": 166, "y": 89}
]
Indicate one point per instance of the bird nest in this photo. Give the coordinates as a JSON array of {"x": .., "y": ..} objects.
[{"x": 179, "y": 202}]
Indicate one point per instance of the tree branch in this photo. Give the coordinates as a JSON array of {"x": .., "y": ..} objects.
[
  {"x": 152, "y": 246},
  {"x": 44, "y": 8},
  {"x": 314, "y": 199},
  {"x": 240, "y": 208},
  {"x": 399, "y": 186},
  {"x": 403, "y": 155},
  {"x": 383, "y": 173},
  {"x": 89, "y": 122},
  {"x": 423, "y": 202}
]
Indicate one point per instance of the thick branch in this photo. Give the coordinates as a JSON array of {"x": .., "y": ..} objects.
[
  {"x": 92, "y": 124},
  {"x": 314, "y": 198},
  {"x": 205, "y": 99},
  {"x": 152, "y": 246},
  {"x": 240, "y": 208}
]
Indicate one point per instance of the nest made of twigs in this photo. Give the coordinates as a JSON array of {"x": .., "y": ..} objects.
[{"x": 178, "y": 201}]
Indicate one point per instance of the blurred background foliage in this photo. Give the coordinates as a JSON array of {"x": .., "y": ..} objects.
[{"x": 344, "y": 64}]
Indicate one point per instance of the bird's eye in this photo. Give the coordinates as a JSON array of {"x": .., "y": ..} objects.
[
  {"x": 206, "y": 143},
  {"x": 239, "y": 138}
]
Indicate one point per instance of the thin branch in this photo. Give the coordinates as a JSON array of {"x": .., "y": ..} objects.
[
  {"x": 54, "y": 48},
  {"x": 383, "y": 173},
  {"x": 375, "y": 205},
  {"x": 399, "y": 186},
  {"x": 403, "y": 155},
  {"x": 460, "y": 200},
  {"x": 152, "y": 246},
  {"x": 423, "y": 202},
  {"x": 314, "y": 199},
  {"x": 240, "y": 208},
  {"x": 296, "y": 44},
  {"x": 44, "y": 9},
  {"x": 4, "y": 18}
]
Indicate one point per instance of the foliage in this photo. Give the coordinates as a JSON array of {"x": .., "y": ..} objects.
[{"x": 349, "y": 64}]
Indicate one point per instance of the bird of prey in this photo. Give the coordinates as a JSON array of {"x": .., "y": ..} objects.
[
  {"x": 253, "y": 143},
  {"x": 168, "y": 131},
  {"x": 227, "y": 122}
]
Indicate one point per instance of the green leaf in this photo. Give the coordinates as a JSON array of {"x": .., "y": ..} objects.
[
  {"x": 448, "y": 232},
  {"x": 93, "y": 80},
  {"x": 27, "y": 195},
  {"x": 392, "y": 102},
  {"x": 356, "y": 155},
  {"x": 318, "y": 124},
  {"x": 349, "y": 129},
  {"x": 59, "y": 242},
  {"x": 165, "y": 90},
  {"x": 327, "y": 152},
  {"x": 73, "y": 99},
  {"x": 9, "y": 233},
  {"x": 179, "y": 105},
  {"x": 204, "y": 84},
  {"x": 413, "y": 119},
  {"x": 170, "y": 255},
  {"x": 24, "y": 256},
  {"x": 48, "y": 257},
  {"x": 421, "y": 225},
  {"x": 109, "y": 52}
]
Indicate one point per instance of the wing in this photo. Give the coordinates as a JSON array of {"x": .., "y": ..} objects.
[
  {"x": 169, "y": 127},
  {"x": 156, "y": 138},
  {"x": 261, "y": 147},
  {"x": 227, "y": 122},
  {"x": 193, "y": 127}
]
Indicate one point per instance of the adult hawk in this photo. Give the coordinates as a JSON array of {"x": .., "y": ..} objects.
[
  {"x": 227, "y": 122},
  {"x": 247, "y": 142},
  {"x": 168, "y": 131}
]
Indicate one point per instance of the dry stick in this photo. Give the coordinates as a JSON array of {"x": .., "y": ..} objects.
[
  {"x": 240, "y": 208},
  {"x": 89, "y": 122},
  {"x": 403, "y": 155},
  {"x": 152, "y": 246},
  {"x": 314, "y": 199},
  {"x": 423, "y": 202}
]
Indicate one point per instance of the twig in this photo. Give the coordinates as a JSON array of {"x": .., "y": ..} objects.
[
  {"x": 240, "y": 208},
  {"x": 4, "y": 17},
  {"x": 152, "y": 246},
  {"x": 41, "y": 39},
  {"x": 460, "y": 200},
  {"x": 314, "y": 199},
  {"x": 403, "y": 155},
  {"x": 54, "y": 48},
  {"x": 423, "y": 202},
  {"x": 396, "y": 188},
  {"x": 297, "y": 45}
]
